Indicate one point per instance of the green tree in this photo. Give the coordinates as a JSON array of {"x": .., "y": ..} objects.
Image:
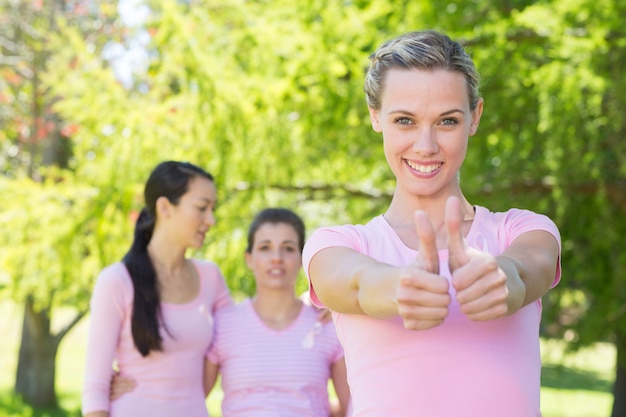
[
  {"x": 48, "y": 266},
  {"x": 269, "y": 99}
]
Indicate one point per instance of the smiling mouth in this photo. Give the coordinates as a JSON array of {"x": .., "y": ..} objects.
[{"x": 423, "y": 169}]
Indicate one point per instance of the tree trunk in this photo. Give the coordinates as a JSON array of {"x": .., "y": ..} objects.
[
  {"x": 619, "y": 388},
  {"x": 37, "y": 356}
]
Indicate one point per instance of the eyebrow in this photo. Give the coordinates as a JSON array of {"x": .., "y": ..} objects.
[
  {"x": 445, "y": 113},
  {"x": 293, "y": 242},
  {"x": 208, "y": 200}
]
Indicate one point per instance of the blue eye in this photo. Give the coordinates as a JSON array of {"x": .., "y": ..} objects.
[
  {"x": 403, "y": 121},
  {"x": 449, "y": 122}
]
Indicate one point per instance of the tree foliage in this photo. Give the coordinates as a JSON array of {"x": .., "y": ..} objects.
[
  {"x": 268, "y": 97},
  {"x": 47, "y": 266}
]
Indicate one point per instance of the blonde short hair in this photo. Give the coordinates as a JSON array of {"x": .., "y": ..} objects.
[{"x": 423, "y": 50}]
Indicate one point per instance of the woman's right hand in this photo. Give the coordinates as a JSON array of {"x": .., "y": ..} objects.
[
  {"x": 422, "y": 294},
  {"x": 120, "y": 385}
]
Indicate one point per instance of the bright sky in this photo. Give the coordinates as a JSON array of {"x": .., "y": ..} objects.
[{"x": 132, "y": 57}]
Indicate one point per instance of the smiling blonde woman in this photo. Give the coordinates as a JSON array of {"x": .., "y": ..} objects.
[{"x": 436, "y": 301}]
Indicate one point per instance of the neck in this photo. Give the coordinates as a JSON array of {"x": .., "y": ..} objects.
[
  {"x": 400, "y": 216},
  {"x": 402, "y": 208},
  {"x": 164, "y": 257},
  {"x": 276, "y": 310},
  {"x": 168, "y": 265}
]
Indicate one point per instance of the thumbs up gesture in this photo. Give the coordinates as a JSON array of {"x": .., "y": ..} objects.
[
  {"x": 422, "y": 294},
  {"x": 481, "y": 285}
]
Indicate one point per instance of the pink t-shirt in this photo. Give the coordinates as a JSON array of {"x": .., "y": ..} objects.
[
  {"x": 460, "y": 368},
  {"x": 169, "y": 383},
  {"x": 270, "y": 373}
]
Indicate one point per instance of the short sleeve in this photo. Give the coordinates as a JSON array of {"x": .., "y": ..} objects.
[
  {"x": 327, "y": 237},
  {"x": 518, "y": 222},
  {"x": 216, "y": 284}
]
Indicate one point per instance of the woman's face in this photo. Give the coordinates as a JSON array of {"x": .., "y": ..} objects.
[
  {"x": 193, "y": 216},
  {"x": 275, "y": 257},
  {"x": 425, "y": 120}
]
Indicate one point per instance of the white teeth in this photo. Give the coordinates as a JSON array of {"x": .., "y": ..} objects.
[{"x": 424, "y": 169}]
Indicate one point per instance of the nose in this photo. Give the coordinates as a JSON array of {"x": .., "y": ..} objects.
[
  {"x": 277, "y": 255},
  {"x": 209, "y": 219},
  {"x": 425, "y": 141}
]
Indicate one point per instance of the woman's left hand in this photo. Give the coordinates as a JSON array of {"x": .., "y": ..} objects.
[{"x": 483, "y": 289}]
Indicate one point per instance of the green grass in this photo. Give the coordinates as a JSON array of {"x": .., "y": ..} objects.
[{"x": 577, "y": 385}]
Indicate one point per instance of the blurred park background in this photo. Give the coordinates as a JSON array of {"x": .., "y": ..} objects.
[{"x": 267, "y": 96}]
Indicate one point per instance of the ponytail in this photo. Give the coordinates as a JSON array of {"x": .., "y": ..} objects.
[
  {"x": 169, "y": 179},
  {"x": 146, "y": 301}
]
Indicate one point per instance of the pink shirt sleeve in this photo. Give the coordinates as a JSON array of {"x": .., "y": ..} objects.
[
  {"x": 326, "y": 237},
  {"x": 217, "y": 285},
  {"x": 518, "y": 221},
  {"x": 108, "y": 309}
]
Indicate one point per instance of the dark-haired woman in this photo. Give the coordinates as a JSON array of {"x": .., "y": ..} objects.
[
  {"x": 274, "y": 354},
  {"x": 152, "y": 313}
]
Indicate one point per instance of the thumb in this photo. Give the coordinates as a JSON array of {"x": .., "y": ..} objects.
[
  {"x": 457, "y": 247},
  {"x": 428, "y": 256}
]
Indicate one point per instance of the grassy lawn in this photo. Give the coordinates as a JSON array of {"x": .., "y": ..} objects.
[{"x": 576, "y": 385}]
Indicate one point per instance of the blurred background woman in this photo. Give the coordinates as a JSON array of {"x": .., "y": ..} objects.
[
  {"x": 152, "y": 313},
  {"x": 273, "y": 352}
]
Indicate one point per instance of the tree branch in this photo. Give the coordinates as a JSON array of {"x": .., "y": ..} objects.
[
  {"x": 77, "y": 318},
  {"x": 615, "y": 190}
]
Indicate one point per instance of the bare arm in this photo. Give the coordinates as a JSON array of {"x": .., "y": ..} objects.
[
  {"x": 531, "y": 262},
  {"x": 211, "y": 370},
  {"x": 339, "y": 376},
  {"x": 489, "y": 287},
  {"x": 350, "y": 282}
]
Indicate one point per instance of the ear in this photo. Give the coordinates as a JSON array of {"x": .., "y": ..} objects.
[
  {"x": 476, "y": 114},
  {"x": 375, "y": 119},
  {"x": 249, "y": 260},
  {"x": 163, "y": 207}
]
